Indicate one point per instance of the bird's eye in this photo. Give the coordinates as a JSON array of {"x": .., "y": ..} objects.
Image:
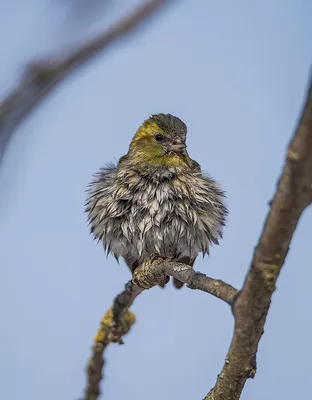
[{"x": 159, "y": 137}]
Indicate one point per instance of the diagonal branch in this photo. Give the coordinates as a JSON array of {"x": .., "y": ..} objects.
[
  {"x": 293, "y": 195},
  {"x": 114, "y": 325},
  {"x": 42, "y": 77},
  {"x": 121, "y": 305}
]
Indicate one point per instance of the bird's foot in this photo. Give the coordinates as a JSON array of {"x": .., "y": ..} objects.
[
  {"x": 164, "y": 283},
  {"x": 155, "y": 256},
  {"x": 150, "y": 273}
]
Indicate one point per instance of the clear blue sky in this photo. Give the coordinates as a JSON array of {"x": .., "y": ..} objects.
[{"x": 236, "y": 73}]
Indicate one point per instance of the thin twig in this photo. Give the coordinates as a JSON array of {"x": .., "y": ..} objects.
[
  {"x": 293, "y": 195},
  {"x": 42, "y": 77}
]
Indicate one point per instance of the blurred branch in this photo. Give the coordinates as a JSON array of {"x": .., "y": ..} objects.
[
  {"x": 293, "y": 195},
  {"x": 42, "y": 77}
]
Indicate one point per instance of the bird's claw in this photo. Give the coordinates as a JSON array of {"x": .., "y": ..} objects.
[
  {"x": 142, "y": 282},
  {"x": 145, "y": 283},
  {"x": 154, "y": 257},
  {"x": 148, "y": 274}
]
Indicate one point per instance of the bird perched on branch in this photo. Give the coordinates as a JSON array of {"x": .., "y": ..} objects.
[{"x": 156, "y": 201}]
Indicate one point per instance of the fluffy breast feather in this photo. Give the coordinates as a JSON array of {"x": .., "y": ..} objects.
[{"x": 166, "y": 212}]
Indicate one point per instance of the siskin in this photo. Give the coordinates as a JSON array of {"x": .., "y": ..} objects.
[{"x": 156, "y": 201}]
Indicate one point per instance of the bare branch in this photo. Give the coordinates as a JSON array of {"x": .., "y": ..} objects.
[
  {"x": 293, "y": 195},
  {"x": 115, "y": 324},
  {"x": 154, "y": 272},
  {"x": 43, "y": 76}
]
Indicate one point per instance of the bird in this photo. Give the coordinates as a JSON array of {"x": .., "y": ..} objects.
[{"x": 156, "y": 201}]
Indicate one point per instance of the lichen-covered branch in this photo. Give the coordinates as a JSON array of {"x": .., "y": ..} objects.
[
  {"x": 118, "y": 319},
  {"x": 154, "y": 272},
  {"x": 293, "y": 195},
  {"x": 120, "y": 309},
  {"x": 42, "y": 77},
  {"x": 115, "y": 324}
]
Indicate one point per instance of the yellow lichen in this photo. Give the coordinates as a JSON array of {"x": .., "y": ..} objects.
[
  {"x": 274, "y": 267},
  {"x": 127, "y": 321},
  {"x": 103, "y": 333}
]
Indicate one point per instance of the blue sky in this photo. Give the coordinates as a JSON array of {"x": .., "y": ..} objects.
[{"x": 236, "y": 73}]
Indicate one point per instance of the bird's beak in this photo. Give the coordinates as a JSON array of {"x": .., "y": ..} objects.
[{"x": 177, "y": 147}]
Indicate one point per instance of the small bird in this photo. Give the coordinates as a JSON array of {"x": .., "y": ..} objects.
[{"x": 156, "y": 202}]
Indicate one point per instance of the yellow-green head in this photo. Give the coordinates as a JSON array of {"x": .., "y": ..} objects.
[{"x": 160, "y": 141}]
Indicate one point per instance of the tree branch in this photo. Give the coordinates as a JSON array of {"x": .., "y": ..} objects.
[
  {"x": 120, "y": 308},
  {"x": 293, "y": 195},
  {"x": 118, "y": 319},
  {"x": 114, "y": 325},
  {"x": 154, "y": 272},
  {"x": 42, "y": 77}
]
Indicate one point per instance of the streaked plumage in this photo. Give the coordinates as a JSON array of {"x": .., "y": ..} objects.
[{"x": 156, "y": 200}]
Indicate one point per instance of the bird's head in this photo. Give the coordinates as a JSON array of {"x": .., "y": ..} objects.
[{"x": 160, "y": 141}]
